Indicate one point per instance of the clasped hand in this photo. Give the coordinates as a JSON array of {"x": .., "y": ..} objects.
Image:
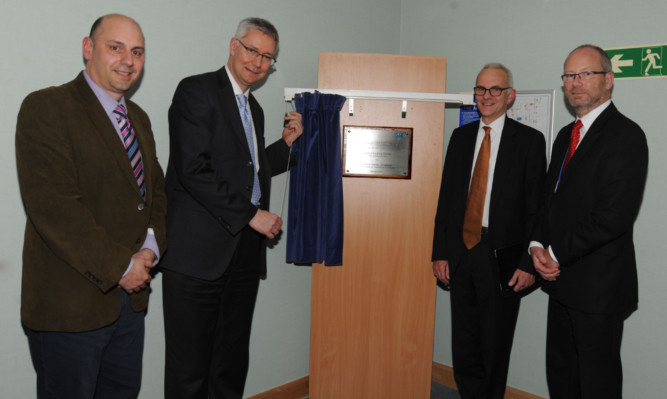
[
  {"x": 544, "y": 264},
  {"x": 519, "y": 281},
  {"x": 139, "y": 276}
]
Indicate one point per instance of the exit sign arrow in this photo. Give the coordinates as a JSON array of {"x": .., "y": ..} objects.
[{"x": 617, "y": 63}]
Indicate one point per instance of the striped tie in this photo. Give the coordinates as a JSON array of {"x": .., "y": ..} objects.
[
  {"x": 247, "y": 126},
  {"x": 132, "y": 146}
]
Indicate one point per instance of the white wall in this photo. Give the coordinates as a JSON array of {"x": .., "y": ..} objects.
[
  {"x": 42, "y": 47},
  {"x": 533, "y": 39}
]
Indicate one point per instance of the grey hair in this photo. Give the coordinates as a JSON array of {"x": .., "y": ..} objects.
[
  {"x": 498, "y": 65},
  {"x": 260, "y": 24}
]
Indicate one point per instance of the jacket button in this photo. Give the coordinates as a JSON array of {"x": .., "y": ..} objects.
[
  {"x": 247, "y": 188},
  {"x": 141, "y": 206},
  {"x": 249, "y": 163},
  {"x": 138, "y": 241}
]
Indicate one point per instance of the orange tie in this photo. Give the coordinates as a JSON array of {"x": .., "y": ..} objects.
[{"x": 472, "y": 222}]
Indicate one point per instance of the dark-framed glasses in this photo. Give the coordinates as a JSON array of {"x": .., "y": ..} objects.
[
  {"x": 266, "y": 58},
  {"x": 570, "y": 77},
  {"x": 494, "y": 91}
]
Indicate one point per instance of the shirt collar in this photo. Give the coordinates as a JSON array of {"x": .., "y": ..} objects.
[
  {"x": 108, "y": 103},
  {"x": 496, "y": 126},
  {"x": 588, "y": 119},
  {"x": 235, "y": 86}
]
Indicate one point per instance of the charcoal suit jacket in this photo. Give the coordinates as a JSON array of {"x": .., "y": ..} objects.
[
  {"x": 517, "y": 183},
  {"x": 588, "y": 217},
  {"x": 210, "y": 176}
]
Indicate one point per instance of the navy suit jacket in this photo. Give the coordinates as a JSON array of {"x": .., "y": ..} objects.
[
  {"x": 588, "y": 220},
  {"x": 210, "y": 175},
  {"x": 517, "y": 184}
]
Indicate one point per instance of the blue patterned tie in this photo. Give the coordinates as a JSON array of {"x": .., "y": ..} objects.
[
  {"x": 132, "y": 146},
  {"x": 247, "y": 126}
]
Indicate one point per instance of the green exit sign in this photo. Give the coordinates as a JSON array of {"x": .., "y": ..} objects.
[{"x": 638, "y": 62}]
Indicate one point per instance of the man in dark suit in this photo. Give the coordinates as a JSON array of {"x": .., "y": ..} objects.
[
  {"x": 96, "y": 221},
  {"x": 218, "y": 188},
  {"x": 491, "y": 182},
  {"x": 593, "y": 192}
]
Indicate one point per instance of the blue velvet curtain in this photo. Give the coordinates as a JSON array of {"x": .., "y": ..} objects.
[{"x": 315, "y": 220}]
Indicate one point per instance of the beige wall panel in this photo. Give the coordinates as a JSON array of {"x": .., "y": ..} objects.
[{"x": 372, "y": 318}]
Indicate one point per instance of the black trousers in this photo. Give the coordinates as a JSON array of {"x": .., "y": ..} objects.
[
  {"x": 483, "y": 324},
  {"x": 207, "y": 327},
  {"x": 583, "y": 353},
  {"x": 101, "y": 364}
]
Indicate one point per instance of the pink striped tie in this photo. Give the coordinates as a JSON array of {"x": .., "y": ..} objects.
[{"x": 132, "y": 146}]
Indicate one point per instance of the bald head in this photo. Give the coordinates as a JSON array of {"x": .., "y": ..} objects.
[
  {"x": 97, "y": 25},
  {"x": 114, "y": 53}
]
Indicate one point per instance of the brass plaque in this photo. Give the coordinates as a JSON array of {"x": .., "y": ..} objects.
[{"x": 370, "y": 151}]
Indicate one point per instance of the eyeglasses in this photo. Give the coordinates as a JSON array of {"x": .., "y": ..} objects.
[
  {"x": 266, "y": 59},
  {"x": 570, "y": 77},
  {"x": 494, "y": 91}
]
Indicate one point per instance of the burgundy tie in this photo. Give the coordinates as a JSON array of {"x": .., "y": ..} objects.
[
  {"x": 472, "y": 220},
  {"x": 574, "y": 141}
]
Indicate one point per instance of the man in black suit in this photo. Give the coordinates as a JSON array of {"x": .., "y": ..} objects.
[
  {"x": 477, "y": 232},
  {"x": 593, "y": 193},
  {"x": 218, "y": 187}
]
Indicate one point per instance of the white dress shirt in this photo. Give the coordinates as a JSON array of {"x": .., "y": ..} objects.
[{"x": 496, "y": 132}]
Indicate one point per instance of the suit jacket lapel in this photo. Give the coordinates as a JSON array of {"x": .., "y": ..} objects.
[
  {"x": 104, "y": 129},
  {"x": 504, "y": 158},
  {"x": 589, "y": 141},
  {"x": 470, "y": 140},
  {"x": 230, "y": 107},
  {"x": 257, "y": 120},
  {"x": 593, "y": 134}
]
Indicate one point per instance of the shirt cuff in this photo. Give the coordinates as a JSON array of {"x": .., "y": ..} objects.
[
  {"x": 534, "y": 244},
  {"x": 551, "y": 252},
  {"x": 149, "y": 243}
]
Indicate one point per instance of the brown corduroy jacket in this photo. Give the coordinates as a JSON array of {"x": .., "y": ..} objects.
[{"x": 85, "y": 214}]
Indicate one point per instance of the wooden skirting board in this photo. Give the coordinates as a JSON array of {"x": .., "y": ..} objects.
[
  {"x": 293, "y": 390},
  {"x": 441, "y": 374},
  {"x": 444, "y": 375}
]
